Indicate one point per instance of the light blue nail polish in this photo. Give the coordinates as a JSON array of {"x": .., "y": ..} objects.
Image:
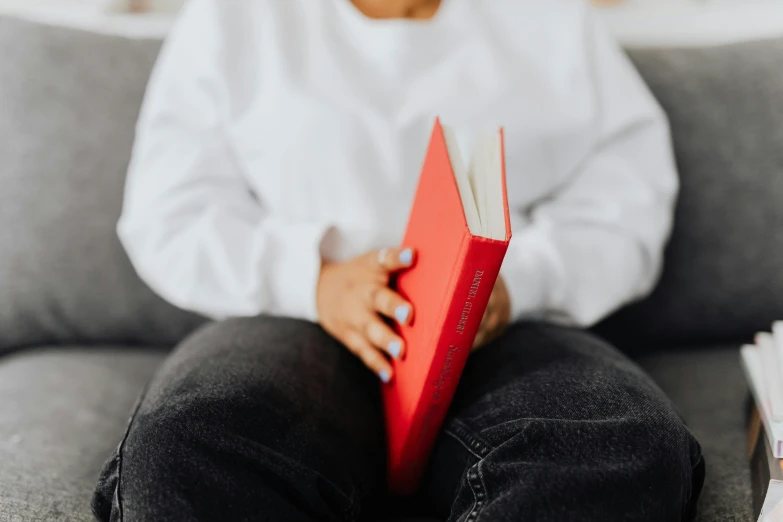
[
  {"x": 395, "y": 347},
  {"x": 401, "y": 314},
  {"x": 406, "y": 256},
  {"x": 384, "y": 375}
]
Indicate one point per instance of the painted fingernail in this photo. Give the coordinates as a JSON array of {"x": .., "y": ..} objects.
[
  {"x": 401, "y": 314},
  {"x": 385, "y": 376},
  {"x": 395, "y": 348},
  {"x": 406, "y": 256}
]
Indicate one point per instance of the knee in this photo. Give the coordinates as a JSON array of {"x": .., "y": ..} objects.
[
  {"x": 653, "y": 458},
  {"x": 648, "y": 465},
  {"x": 273, "y": 335},
  {"x": 153, "y": 455},
  {"x": 231, "y": 382},
  {"x": 165, "y": 443},
  {"x": 663, "y": 459},
  {"x": 174, "y": 461}
]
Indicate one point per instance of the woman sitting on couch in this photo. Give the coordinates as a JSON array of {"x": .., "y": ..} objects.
[{"x": 276, "y": 159}]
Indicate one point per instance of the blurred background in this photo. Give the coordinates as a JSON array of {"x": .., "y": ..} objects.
[{"x": 634, "y": 22}]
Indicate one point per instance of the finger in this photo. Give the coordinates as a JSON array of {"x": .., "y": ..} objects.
[
  {"x": 498, "y": 291},
  {"x": 383, "y": 337},
  {"x": 491, "y": 321},
  {"x": 394, "y": 259},
  {"x": 390, "y": 304},
  {"x": 494, "y": 328},
  {"x": 493, "y": 299},
  {"x": 369, "y": 355},
  {"x": 489, "y": 310},
  {"x": 492, "y": 332},
  {"x": 479, "y": 340}
]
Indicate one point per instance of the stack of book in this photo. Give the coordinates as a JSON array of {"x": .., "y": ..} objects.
[{"x": 762, "y": 363}]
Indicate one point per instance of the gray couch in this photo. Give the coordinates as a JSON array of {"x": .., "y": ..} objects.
[{"x": 80, "y": 334}]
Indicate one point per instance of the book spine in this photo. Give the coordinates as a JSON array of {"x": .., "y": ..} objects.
[{"x": 476, "y": 273}]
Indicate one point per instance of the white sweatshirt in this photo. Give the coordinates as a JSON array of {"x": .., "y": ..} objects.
[{"x": 277, "y": 133}]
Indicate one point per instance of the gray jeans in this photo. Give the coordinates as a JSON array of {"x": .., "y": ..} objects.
[{"x": 271, "y": 419}]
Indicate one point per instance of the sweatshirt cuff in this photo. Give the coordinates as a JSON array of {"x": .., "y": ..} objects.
[
  {"x": 532, "y": 273},
  {"x": 297, "y": 262}
]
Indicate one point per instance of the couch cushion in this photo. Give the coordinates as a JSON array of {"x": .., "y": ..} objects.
[
  {"x": 68, "y": 105},
  {"x": 723, "y": 273},
  {"x": 62, "y": 413},
  {"x": 707, "y": 385}
]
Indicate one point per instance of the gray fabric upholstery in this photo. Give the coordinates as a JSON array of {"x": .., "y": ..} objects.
[
  {"x": 62, "y": 412},
  {"x": 708, "y": 387},
  {"x": 723, "y": 275},
  {"x": 68, "y": 105}
]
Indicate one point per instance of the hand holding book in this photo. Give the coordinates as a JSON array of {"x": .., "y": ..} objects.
[
  {"x": 459, "y": 230},
  {"x": 353, "y": 297}
]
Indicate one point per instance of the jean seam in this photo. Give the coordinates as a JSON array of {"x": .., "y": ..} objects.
[
  {"x": 480, "y": 449},
  {"x": 120, "y": 449},
  {"x": 476, "y": 484},
  {"x": 468, "y": 439},
  {"x": 462, "y": 443},
  {"x": 483, "y": 485}
]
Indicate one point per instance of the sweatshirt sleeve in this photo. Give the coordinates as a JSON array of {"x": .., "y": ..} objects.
[
  {"x": 597, "y": 242},
  {"x": 193, "y": 229}
]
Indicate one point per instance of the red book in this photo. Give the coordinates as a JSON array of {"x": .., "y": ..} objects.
[{"x": 459, "y": 227}]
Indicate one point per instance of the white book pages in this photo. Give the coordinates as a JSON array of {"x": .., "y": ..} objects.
[
  {"x": 490, "y": 170},
  {"x": 750, "y": 358},
  {"x": 772, "y": 510},
  {"x": 461, "y": 176},
  {"x": 480, "y": 183},
  {"x": 769, "y": 359},
  {"x": 777, "y": 334}
]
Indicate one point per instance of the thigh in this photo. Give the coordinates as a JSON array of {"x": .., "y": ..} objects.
[
  {"x": 552, "y": 423},
  {"x": 249, "y": 417}
]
